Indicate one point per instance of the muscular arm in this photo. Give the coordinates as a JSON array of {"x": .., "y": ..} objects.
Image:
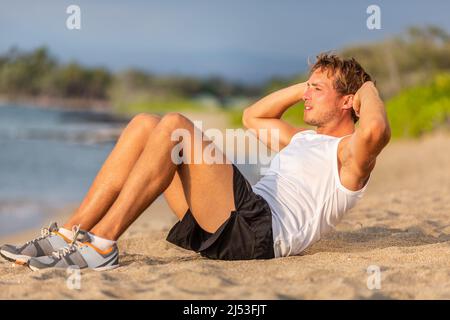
[
  {"x": 266, "y": 114},
  {"x": 373, "y": 132}
]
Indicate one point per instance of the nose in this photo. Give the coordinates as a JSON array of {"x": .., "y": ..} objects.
[{"x": 307, "y": 94}]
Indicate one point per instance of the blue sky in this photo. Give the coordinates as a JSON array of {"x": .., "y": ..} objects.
[{"x": 247, "y": 40}]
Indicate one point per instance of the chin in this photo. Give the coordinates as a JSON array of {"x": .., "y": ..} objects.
[
  {"x": 312, "y": 122},
  {"x": 309, "y": 122}
]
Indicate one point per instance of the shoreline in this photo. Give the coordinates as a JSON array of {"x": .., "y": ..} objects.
[
  {"x": 34, "y": 231},
  {"x": 164, "y": 219},
  {"x": 47, "y": 102},
  {"x": 102, "y": 114}
]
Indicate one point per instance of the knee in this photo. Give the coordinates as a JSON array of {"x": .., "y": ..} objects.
[
  {"x": 144, "y": 122},
  {"x": 174, "y": 120}
]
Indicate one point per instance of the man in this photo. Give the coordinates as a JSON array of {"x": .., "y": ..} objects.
[{"x": 313, "y": 180}]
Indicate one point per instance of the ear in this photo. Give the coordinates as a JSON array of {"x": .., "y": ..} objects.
[{"x": 348, "y": 102}]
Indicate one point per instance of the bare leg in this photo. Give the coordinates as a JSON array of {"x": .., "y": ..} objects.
[
  {"x": 208, "y": 187},
  {"x": 114, "y": 172}
]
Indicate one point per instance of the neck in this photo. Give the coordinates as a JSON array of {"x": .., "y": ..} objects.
[{"x": 337, "y": 129}]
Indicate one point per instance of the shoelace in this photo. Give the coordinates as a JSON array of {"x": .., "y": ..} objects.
[
  {"x": 45, "y": 232},
  {"x": 74, "y": 244},
  {"x": 65, "y": 251}
]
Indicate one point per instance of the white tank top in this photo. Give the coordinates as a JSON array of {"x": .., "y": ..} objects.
[{"x": 304, "y": 192}]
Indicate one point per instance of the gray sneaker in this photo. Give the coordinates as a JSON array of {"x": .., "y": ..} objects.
[
  {"x": 80, "y": 254},
  {"x": 49, "y": 241}
]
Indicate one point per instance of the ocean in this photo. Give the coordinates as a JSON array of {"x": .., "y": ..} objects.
[{"x": 48, "y": 160}]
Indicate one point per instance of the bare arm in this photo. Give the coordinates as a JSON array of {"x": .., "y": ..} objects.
[
  {"x": 373, "y": 133},
  {"x": 266, "y": 114}
]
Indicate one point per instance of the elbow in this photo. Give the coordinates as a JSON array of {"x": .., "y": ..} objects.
[
  {"x": 245, "y": 118},
  {"x": 379, "y": 132},
  {"x": 387, "y": 134}
]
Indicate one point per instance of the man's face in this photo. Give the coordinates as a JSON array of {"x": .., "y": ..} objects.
[{"x": 322, "y": 102}]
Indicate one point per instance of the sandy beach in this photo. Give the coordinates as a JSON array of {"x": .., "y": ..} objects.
[{"x": 402, "y": 226}]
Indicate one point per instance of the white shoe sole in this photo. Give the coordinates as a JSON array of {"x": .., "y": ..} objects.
[
  {"x": 21, "y": 259},
  {"x": 33, "y": 268},
  {"x": 106, "y": 268}
]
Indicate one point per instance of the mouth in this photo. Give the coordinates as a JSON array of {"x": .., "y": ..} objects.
[{"x": 307, "y": 105}]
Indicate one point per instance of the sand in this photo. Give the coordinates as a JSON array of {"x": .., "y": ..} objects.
[{"x": 401, "y": 226}]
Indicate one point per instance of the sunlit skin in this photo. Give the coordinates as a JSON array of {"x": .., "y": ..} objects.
[
  {"x": 325, "y": 108},
  {"x": 139, "y": 168},
  {"x": 331, "y": 113}
]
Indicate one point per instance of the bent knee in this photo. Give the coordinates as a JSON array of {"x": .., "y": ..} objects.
[
  {"x": 144, "y": 121},
  {"x": 175, "y": 120}
]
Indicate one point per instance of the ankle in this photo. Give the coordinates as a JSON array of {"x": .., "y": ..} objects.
[
  {"x": 100, "y": 242},
  {"x": 66, "y": 233}
]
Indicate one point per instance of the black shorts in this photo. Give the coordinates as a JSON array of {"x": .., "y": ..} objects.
[{"x": 246, "y": 234}]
